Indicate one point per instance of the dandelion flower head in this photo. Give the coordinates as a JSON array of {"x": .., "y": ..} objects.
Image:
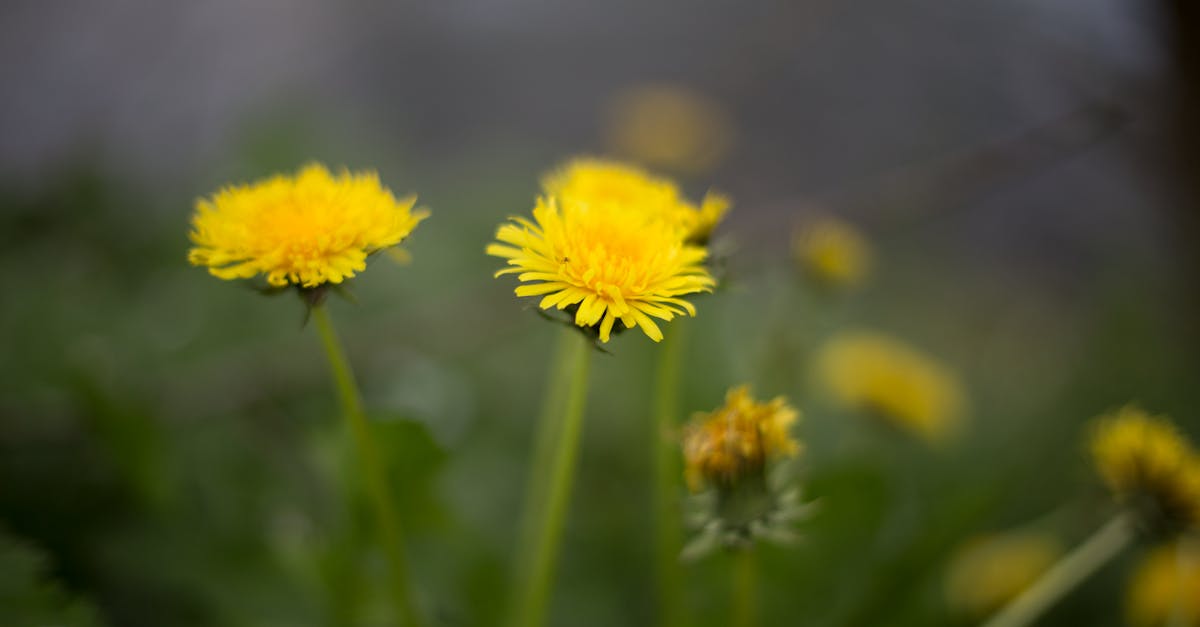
[
  {"x": 991, "y": 570},
  {"x": 594, "y": 181},
  {"x": 870, "y": 372},
  {"x": 604, "y": 262},
  {"x": 669, "y": 126},
  {"x": 308, "y": 230},
  {"x": 1165, "y": 583},
  {"x": 832, "y": 252},
  {"x": 737, "y": 439},
  {"x": 1148, "y": 464}
]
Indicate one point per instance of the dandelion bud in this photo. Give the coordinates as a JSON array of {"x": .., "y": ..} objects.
[
  {"x": 730, "y": 451},
  {"x": 733, "y": 443}
]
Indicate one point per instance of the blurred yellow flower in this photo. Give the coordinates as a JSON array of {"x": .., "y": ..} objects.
[
  {"x": 874, "y": 373},
  {"x": 1165, "y": 588},
  {"x": 594, "y": 181},
  {"x": 605, "y": 261},
  {"x": 737, "y": 439},
  {"x": 989, "y": 571},
  {"x": 307, "y": 230},
  {"x": 832, "y": 252},
  {"x": 1147, "y": 464},
  {"x": 670, "y": 127}
]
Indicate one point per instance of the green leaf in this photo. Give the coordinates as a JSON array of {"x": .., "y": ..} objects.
[{"x": 30, "y": 597}]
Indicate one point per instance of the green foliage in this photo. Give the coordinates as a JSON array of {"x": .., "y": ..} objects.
[
  {"x": 29, "y": 595},
  {"x": 170, "y": 443}
]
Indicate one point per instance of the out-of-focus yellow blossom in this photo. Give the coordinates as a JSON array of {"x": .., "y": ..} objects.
[
  {"x": 307, "y": 230},
  {"x": 1148, "y": 465},
  {"x": 874, "y": 373},
  {"x": 832, "y": 252},
  {"x": 1166, "y": 587},
  {"x": 737, "y": 439},
  {"x": 606, "y": 261},
  {"x": 591, "y": 181},
  {"x": 670, "y": 127},
  {"x": 989, "y": 571}
]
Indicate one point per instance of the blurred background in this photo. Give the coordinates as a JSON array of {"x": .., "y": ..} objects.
[{"x": 170, "y": 450}]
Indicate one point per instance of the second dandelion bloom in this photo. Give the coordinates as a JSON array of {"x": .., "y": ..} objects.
[
  {"x": 604, "y": 246},
  {"x": 894, "y": 382}
]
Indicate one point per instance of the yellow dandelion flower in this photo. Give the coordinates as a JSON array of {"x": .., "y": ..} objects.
[
  {"x": 1165, "y": 588},
  {"x": 593, "y": 181},
  {"x": 832, "y": 252},
  {"x": 1147, "y": 464},
  {"x": 669, "y": 126},
  {"x": 604, "y": 262},
  {"x": 874, "y": 373},
  {"x": 307, "y": 230},
  {"x": 989, "y": 571},
  {"x": 737, "y": 439}
]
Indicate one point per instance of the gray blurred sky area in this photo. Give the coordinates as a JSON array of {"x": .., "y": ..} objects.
[
  {"x": 835, "y": 88},
  {"x": 830, "y": 99}
]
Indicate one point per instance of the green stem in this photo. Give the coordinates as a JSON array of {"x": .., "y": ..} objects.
[
  {"x": 533, "y": 596},
  {"x": 372, "y": 467},
  {"x": 745, "y": 610},
  {"x": 546, "y": 436},
  {"x": 1069, "y": 572},
  {"x": 665, "y": 454}
]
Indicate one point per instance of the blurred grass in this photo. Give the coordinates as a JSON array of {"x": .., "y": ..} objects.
[{"x": 170, "y": 454}]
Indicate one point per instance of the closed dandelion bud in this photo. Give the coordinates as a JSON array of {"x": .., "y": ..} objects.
[
  {"x": 728, "y": 455},
  {"x": 1165, "y": 588},
  {"x": 832, "y": 253},
  {"x": 892, "y": 382},
  {"x": 990, "y": 571},
  {"x": 1150, "y": 468},
  {"x": 732, "y": 444}
]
